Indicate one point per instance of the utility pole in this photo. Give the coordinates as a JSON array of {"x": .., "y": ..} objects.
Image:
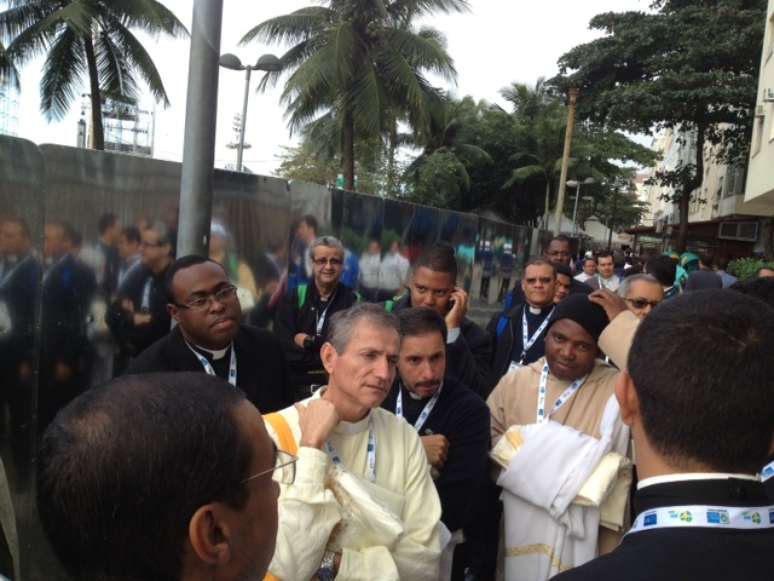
[
  {"x": 565, "y": 161},
  {"x": 198, "y": 173}
]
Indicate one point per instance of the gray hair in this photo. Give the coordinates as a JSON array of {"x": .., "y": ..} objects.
[
  {"x": 343, "y": 323},
  {"x": 328, "y": 242},
  {"x": 626, "y": 284}
]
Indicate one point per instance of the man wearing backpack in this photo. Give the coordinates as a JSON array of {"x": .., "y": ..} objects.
[{"x": 303, "y": 314}]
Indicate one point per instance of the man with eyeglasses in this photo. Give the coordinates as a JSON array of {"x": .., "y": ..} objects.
[
  {"x": 642, "y": 294},
  {"x": 161, "y": 476},
  {"x": 138, "y": 316},
  {"x": 209, "y": 337},
  {"x": 518, "y": 335},
  {"x": 304, "y": 314},
  {"x": 433, "y": 286}
]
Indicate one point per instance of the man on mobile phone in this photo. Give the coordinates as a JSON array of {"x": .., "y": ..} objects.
[{"x": 433, "y": 285}]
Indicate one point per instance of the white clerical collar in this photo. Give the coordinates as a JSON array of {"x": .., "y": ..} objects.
[
  {"x": 217, "y": 354},
  {"x": 691, "y": 476},
  {"x": 535, "y": 310}
]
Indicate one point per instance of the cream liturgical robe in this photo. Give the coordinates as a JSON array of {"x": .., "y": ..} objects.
[
  {"x": 387, "y": 530},
  {"x": 545, "y": 531}
]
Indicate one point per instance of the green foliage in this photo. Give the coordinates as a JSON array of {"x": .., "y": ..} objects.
[
  {"x": 747, "y": 268},
  {"x": 362, "y": 64},
  {"x": 691, "y": 66},
  {"x": 91, "y": 39}
]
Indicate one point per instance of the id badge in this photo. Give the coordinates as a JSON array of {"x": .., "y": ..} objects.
[{"x": 515, "y": 366}]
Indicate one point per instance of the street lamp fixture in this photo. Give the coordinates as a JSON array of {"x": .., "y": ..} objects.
[
  {"x": 577, "y": 185},
  {"x": 267, "y": 62}
]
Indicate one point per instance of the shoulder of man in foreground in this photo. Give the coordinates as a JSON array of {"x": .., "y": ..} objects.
[{"x": 156, "y": 357}]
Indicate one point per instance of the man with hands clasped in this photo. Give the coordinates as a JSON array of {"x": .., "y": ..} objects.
[{"x": 363, "y": 504}]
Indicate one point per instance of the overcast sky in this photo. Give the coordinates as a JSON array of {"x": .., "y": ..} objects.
[{"x": 498, "y": 42}]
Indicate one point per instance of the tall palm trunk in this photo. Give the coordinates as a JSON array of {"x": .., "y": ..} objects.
[
  {"x": 392, "y": 148},
  {"x": 97, "y": 129},
  {"x": 348, "y": 150},
  {"x": 548, "y": 201}
]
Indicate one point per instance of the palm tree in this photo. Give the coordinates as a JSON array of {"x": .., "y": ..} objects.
[
  {"x": 357, "y": 62},
  {"x": 90, "y": 38}
]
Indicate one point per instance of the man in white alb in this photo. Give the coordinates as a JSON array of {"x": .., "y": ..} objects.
[{"x": 363, "y": 504}]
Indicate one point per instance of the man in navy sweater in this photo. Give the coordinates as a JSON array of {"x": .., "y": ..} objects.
[{"x": 451, "y": 419}]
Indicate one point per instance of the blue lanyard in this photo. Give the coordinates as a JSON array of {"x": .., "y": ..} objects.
[
  {"x": 209, "y": 370},
  {"x": 563, "y": 399},
  {"x": 371, "y": 452},
  {"x": 425, "y": 411},
  {"x": 526, "y": 341},
  {"x": 695, "y": 516}
]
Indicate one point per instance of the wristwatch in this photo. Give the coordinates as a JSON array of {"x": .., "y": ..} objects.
[{"x": 326, "y": 571}]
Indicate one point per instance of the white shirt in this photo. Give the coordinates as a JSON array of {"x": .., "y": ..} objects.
[
  {"x": 393, "y": 272},
  {"x": 369, "y": 270}
]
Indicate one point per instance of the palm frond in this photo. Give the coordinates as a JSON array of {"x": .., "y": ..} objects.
[
  {"x": 64, "y": 64},
  {"x": 19, "y": 18},
  {"x": 116, "y": 78},
  {"x": 148, "y": 15},
  {"x": 424, "y": 53},
  {"x": 140, "y": 61},
  {"x": 291, "y": 28},
  {"x": 8, "y": 69}
]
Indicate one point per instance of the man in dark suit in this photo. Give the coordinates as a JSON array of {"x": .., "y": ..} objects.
[
  {"x": 698, "y": 399},
  {"x": 209, "y": 338},
  {"x": 433, "y": 285},
  {"x": 452, "y": 421}
]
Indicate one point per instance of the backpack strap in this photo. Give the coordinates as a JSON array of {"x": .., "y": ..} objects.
[
  {"x": 502, "y": 325},
  {"x": 280, "y": 426},
  {"x": 303, "y": 291}
]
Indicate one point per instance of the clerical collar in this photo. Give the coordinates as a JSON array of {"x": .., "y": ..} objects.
[
  {"x": 535, "y": 310},
  {"x": 217, "y": 354},
  {"x": 692, "y": 476},
  {"x": 414, "y": 396}
]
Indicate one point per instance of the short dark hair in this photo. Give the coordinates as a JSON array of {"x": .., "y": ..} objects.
[
  {"x": 421, "y": 321},
  {"x": 663, "y": 269},
  {"x": 440, "y": 258},
  {"x": 123, "y": 468},
  {"x": 132, "y": 234},
  {"x": 701, "y": 364},
  {"x": 560, "y": 238},
  {"x": 181, "y": 264},
  {"x": 760, "y": 288},
  {"x": 105, "y": 221},
  {"x": 310, "y": 221},
  {"x": 605, "y": 254},
  {"x": 562, "y": 269}
]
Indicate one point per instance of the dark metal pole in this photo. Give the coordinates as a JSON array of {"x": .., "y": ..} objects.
[{"x": 197, "y": 180}]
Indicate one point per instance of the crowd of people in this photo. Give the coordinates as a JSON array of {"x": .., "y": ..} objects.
[{"x": 614, "y": 420}]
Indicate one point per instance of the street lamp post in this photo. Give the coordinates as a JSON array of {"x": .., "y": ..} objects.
[
  {"x": 267, "y": 62},
  {"x": 577, "y": 185}
]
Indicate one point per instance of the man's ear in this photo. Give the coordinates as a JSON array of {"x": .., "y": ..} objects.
[
  {"x": 210, "y": 535},
  {"x": 628, "y": 400},
  {"x": 328, "y": 356},
  {"x": 173, "y": 311}
]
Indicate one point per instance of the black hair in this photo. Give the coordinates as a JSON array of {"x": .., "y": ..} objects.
[
  {"x": 310, "y": 221},
  {"x": 562, "y": 269},
  {"x": 420, "y": 321},
  {"x": 132, "y": 234},
  {"x": 123, "y": 468},
  {"x": 701, "y": 364},
  {"x": 560, "y": 238},
  {"x": 707, "y": 259},
  {"x": 182, "y": 263},
  {"x": 605, "y": 254},
  {"x": 440, "y": 258},
  {"x": 760, "y": 288},
  {"x": 663, "y": 269},
  {"x": 105, "y": 221}
]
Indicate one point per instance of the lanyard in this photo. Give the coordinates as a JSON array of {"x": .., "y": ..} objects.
[
  {"x": 699, "y": 516},
  {"x": 767, "y": 472},
  {"x": 568, "y": 393},
  {"x": 209, "y": 370},
  {"x": 526, "y": 341},
  {"x": 321, "y": 315},
  {"x": 7, "y": 276},
  {"x": 425, "y": 411},
  {"x": 146, "y": 291},
  {"x": 371, "y": 452}
]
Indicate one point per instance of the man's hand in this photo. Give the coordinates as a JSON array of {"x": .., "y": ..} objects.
[
  {"x": 140, "y": 319},
  {"x": 608, "y": 300},
  {"x": 299, "y": 339},
  {"x": 436, "y": 449},
  {"x": 316, "y": 420},
  {"x": 459, "y": 310}
]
